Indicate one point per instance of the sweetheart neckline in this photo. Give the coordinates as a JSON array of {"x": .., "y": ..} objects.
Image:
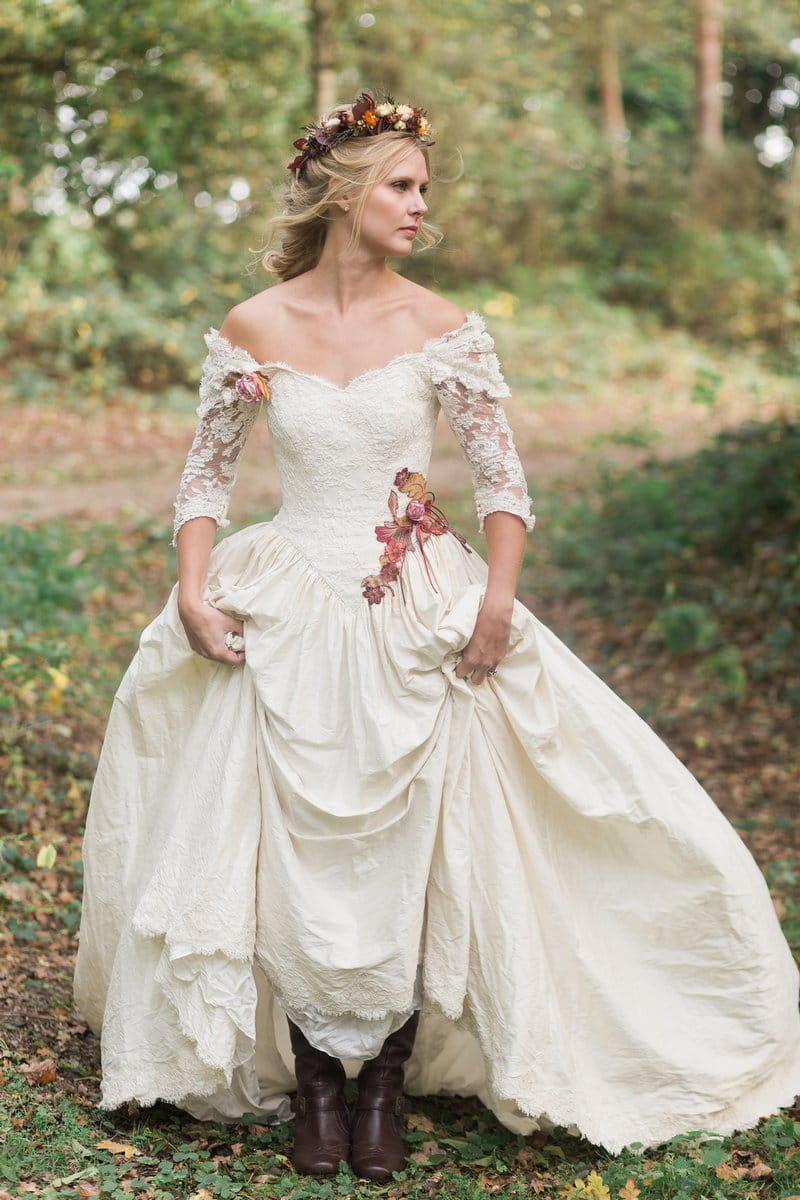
[{"x": 471, "y": 318}]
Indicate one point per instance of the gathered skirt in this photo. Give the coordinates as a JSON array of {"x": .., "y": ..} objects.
[{"x": 342, "y": 830}]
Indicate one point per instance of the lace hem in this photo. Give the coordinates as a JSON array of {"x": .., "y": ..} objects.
[
  {"x": 499, "y": 503},
  {"x": 213, "y": 504},
  {"x": 560, "y": 1105}
]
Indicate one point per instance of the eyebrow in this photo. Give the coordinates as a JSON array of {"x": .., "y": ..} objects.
[{"x": 408, "y": 179}]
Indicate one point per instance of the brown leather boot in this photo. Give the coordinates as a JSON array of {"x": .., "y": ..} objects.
[
  {"x": 321, "y": 1123},
  {"x": 377, "y": 1146}
]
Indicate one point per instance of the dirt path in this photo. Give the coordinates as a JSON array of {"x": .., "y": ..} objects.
[{"x": 121, "y": 462}]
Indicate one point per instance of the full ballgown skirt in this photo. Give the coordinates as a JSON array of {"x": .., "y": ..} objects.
[{"x": 344, "y": 831}]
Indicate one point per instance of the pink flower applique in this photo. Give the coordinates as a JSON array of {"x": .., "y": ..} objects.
[
  {"x": 406, "y": 532},
  {"x": 251, "y": 387}
]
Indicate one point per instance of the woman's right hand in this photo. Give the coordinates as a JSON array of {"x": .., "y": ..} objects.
[{"x": 206, "y": 627}]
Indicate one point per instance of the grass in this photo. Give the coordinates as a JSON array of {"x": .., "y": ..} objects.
[{"x": 67, "y": 1150}]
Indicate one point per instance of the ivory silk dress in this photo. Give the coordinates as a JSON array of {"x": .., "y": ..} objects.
[{"x": 343, "y": 830}]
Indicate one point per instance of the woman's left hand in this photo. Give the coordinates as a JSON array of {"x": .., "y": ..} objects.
[{"x": 489, "y": 642}]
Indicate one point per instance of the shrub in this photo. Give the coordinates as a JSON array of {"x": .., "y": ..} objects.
[{"x": 710, "y": 543}]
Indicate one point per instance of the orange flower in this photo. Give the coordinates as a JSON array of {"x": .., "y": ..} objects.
[{"x": 370, "y": 118}]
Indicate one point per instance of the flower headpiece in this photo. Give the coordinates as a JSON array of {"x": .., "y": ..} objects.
[{"x": 364, "y": 119}]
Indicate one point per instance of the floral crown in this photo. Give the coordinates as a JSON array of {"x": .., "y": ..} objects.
[{"x": 364, "y": 119}]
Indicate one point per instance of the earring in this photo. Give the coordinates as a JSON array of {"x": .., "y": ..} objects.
[{"x": 347, "y": 208}]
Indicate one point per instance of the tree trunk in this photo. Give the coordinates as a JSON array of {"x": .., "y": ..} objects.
[
  {"x": 708, "y": 75},
  {"x": 614, "y": 127},
  {"x": 323, "y": 55},
  {"x": 791, "y": 194}
]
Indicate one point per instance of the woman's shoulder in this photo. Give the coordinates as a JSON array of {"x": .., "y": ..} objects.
[
  {"x": 435, "y": 315},
  {"x": 244, "y": 324},
  {"x": 425, "y": 314}
]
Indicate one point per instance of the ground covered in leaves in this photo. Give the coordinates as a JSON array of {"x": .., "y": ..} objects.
[{"x": 694, "y": 628}]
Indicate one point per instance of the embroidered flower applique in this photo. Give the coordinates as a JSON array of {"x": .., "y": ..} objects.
[{"x": 406, "y": 532}]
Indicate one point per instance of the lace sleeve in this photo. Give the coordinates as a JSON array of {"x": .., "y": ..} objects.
[
  {"x": 226, "y": 413},
  {"x": 470, "y": 387}
]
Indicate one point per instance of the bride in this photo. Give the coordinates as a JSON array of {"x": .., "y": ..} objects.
[{"x": 357, "y": 810}]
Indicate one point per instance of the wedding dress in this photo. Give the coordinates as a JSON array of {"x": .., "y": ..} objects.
[{"x": 344, "y": 831}]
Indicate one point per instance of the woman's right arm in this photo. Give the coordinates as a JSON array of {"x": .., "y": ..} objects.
[
  {"x": 205, "y": 625},
  {"x": 225, "y": 420}
]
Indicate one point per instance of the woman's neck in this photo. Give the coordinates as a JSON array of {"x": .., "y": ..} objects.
[{"x": 347, "y": 281}]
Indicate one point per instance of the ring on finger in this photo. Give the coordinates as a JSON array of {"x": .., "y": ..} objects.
[{"x": 234, "y": 641}]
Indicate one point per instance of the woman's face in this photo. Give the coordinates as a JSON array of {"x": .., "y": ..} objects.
[{"x": 395, "y": 207}]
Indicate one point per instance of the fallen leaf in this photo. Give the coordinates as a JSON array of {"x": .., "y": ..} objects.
[
  {"x": 87, "y": 1191},
  {"x": 728, "y": 1173},
  {"x": 420, "y": 1122},
  {"x": 629, "y": 1192},
  {"x": 39, "y": 1070},
  {"x": 46, "y": 856},
  {"x": 118, "y": 1148},
  {"x": 758, "y": 1169}
]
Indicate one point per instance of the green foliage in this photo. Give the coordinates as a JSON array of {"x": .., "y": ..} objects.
[
  {"x": 47, "y": 574},
  {"x": 58, "y": 669},
  {"x": 711, "y": 542},
  {"x": 723, "y": 285}
]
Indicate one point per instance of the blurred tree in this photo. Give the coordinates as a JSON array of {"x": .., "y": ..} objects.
[
  {"x": 611, "y": 92},
  {"x": 323, "y": 55},
  {"x": 708, "y": 81}
]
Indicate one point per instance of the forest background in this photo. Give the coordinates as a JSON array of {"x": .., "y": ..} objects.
[{"x": 619, "y": 186}]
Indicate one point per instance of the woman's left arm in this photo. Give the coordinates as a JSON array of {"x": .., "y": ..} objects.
[
  {"x": 505, "y": 539},
  {"x": 471, "y": 389}
]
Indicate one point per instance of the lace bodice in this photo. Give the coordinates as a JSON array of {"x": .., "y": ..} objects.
[{"x": 339, "y": 448}]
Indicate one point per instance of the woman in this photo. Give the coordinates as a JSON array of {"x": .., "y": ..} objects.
[{"x": 350, "y": 781}]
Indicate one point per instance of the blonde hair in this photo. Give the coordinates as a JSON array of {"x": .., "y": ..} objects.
[{"x": 355, "y": 165}]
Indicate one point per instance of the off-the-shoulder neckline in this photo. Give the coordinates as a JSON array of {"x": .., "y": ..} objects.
[{"x": 473, "y": 318}]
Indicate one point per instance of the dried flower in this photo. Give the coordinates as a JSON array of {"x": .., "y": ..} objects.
[
  {"x": 251, "y": 388},
  {"x": 363, "y": 118},
  {"x": 421, "y": 520}
]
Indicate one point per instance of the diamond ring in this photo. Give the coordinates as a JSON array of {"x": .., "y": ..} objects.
[{"x": 234, "y": 641}]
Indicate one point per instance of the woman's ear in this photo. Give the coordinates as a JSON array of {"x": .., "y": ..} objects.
[{"x": 342, "y": 202}]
